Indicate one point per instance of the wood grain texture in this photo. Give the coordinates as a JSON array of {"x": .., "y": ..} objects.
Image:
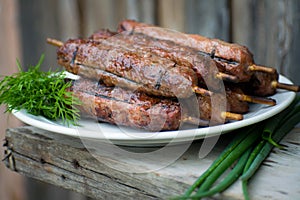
[
  {"x": 270, "y": 29},
  {"x": 11, "y": 184},
  {"x": 171, "y": 14},
  {"x": 208, "y": 18},
  {"x": 64, "y": 161}
]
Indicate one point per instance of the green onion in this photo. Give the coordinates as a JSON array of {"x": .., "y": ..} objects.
[
  {"x": 234, "y": 143},
  {"x": 250, "y": 139},
  {"x": 249, "y": 149},
  {"x": 266, "y": 149},
  {"x": 230, "y": 178}
]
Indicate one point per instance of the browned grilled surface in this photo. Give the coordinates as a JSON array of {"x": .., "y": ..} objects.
[
  {"x": 136, "y": 109},
  {"x": 147, "y": 69},
  {"x": 222, "y": 49},
  {"x": 123, "y": 107},
  {"x": 260, "y": 84},
  {"x": 234, "y": 104},
  {"x": 234, "y": 55},
  {"x": 206, "y": 69}
]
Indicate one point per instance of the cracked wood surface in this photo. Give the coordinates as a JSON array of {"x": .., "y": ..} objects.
[{"x": 65, "y": 161}]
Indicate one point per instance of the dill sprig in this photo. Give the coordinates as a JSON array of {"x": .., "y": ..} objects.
[{"x": 40, "y": 93}]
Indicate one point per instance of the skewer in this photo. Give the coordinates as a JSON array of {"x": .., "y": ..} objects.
[
  {"x": 201, "y": 122},
  {"x": 197, "y": 89},
  {"x": 232, "y": 116},
  {"x": 202, "y": 91},
  {"x": 242, "y": 97},
  {"x": 195, "y": 121},
  {"x": 55, "y": 42},
  {"x": 259, "y": 100},
  {"x": 262, "y": 69},
  {"x": 227, "y": 77},
  {"x": 220, "y": 75},
  {"x": 294, "y": 88}
]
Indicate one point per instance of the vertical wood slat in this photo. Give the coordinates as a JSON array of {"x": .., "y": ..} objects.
[
  {"x": 171, "y": 14},
  {"x": 141, "y": 10},
  {"x": 39, "y": 20},
  {"x": 68, "y": 18},
  {"x": 271, "y": 31},
  {"x": 98, "y": 15},
  {"x": 108, "y": 13},
  {"x": 291, "y": 62},
  {"x": 11, "y": 184},
  {"x": 208, "y": 18}
]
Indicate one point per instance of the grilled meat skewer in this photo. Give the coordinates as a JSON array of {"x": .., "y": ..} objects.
[
  {"x": 66, "y": 58},
  {"x": 156, "y": 73},
  {"x": 202, "y": 65},
  {"x": 237, "y": 59},
  {"x": 233, "y": 94},
  {"x": 138, "y": 110},
  {"x": 263, "y": 84}
]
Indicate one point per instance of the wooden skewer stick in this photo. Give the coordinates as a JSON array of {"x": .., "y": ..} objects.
[
  {"x": 227, "y": 77},
  {"x": 232, "y": 116},
  {"x": 55, "y": 42},
  {"x": 258, "y": 68},
  {"x": 201, "y": 122},
  {"x": 195, "y": 121},
  {"x": 241, "y": 97},
  {"x": 202, "y": 91},
  {"x": 259, "y": 100},
  {"x": 294, "y": 88}
]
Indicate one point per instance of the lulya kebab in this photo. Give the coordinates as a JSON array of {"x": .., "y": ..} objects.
[
  {"x": 172, "y": 61},
  {"x": 66, "y": 58},
  {"x": 180, "y": 54},
  {"x": 233, "y": 94},
  {"x": 136, "y": 109},
  {"x": 163, "y": 77},
  {"x": 164, "y": 48},
  {"x": 76, "y": 55},
  {"x": 75, "y": 65},
  {"x": 237, "y": 59}
]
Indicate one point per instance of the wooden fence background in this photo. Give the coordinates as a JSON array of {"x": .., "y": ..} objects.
[{"x": 270, "y": 28}]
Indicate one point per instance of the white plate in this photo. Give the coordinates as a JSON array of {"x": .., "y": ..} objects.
[{"x": 127, "y": 136}]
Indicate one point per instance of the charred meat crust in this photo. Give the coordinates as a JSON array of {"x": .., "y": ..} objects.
[
  {"x": 146, "y": 69},
  {"x": 234, "y": 54}
]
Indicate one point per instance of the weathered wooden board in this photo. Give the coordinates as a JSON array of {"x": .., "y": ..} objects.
[
  {"x": 271, "y": 31},
  {"x": 64, "y": 161},
  {"x": 11, "y": 184}
]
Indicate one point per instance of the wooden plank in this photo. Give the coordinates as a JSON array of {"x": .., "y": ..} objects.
[
  {"x": 11, "y": 184},
  {"x": 141, "y": 10},
  {"x": 68, "y": 20},
  {"x": 99, "y": 14},
  {"x": 80, "y": 172},
  {"x": 208, "y": 18},
  {"x": 171, "y": 14},
  {"x": 269, "y": 29},
  {"x": 290, "y": 66},
  {"x": 64, "y": 161},
  {"x": 38, "y": 20}
]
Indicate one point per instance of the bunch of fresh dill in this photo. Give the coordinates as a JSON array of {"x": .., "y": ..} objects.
[{"x": 40, "y": 93}]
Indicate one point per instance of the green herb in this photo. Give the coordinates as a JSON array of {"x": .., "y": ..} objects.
[
  {"x": 40, "y": 93},
  {"x": 248, "y": 149}
]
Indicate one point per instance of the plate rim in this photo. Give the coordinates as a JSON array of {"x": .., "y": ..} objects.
[{"x": 162, "y": 137}]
